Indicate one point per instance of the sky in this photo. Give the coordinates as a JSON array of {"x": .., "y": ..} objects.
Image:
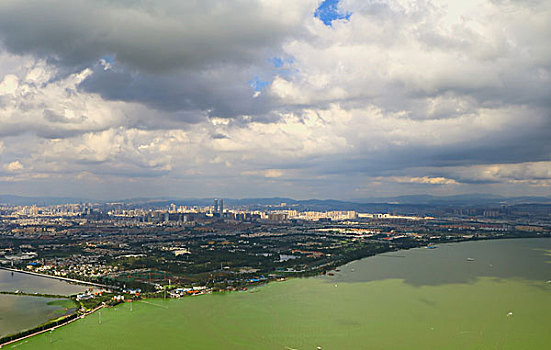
[{"x": 348, "y": 99}]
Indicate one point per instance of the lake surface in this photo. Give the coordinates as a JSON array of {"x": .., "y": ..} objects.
[
  {"x": 10, "y": 282},
  {"x": 453, "y": 263},
  {"x": 416, "y": 299},
  {"x": 19, "y": 312}
]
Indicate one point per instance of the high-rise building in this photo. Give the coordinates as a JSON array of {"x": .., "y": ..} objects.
[
  {"x": 215, "y": 207},
  {"x": 221, "y": 207}
]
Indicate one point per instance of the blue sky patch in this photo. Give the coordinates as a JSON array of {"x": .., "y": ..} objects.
[
  {"x": 282, "y": 66},
  {"x": 257, "y": 84},
  {"x": 281, "y": 62},
  {"x": 328, "y": 11},
  {"x": 277, "y": 62}
]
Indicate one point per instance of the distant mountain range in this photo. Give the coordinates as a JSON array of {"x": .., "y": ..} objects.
[
  {"x": 313, "y": 204},
  {"x": 462, "y": 199},
  {"x": 21, "y": 200}
]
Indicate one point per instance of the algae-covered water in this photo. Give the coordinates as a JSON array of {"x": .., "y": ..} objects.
[
  {"x": 18, "y": 312},
  {"x": 416, "y": 299}
]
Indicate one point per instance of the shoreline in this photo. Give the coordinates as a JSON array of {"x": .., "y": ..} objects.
[
  {"x": 38, "y": 295},
  {"x": 307, "y": 275},
  {"x": 331, "y": 267},
  {"x": 65, "y": 279}
]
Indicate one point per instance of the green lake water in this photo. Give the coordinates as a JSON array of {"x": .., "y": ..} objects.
[
  {"x": 10, "y": 282},
  {"x": 19, "y": 312},
  {"x": 416, "y": 299},
  {"x": 23, "y": 312}
]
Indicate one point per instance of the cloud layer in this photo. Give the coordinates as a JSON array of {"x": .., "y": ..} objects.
[{"x": 253, "y": 98}]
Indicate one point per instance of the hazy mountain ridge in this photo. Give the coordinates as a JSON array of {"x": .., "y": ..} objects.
[{"x": 313, "y": 204}]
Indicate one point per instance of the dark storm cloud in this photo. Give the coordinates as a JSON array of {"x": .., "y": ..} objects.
[
  {"x": 152, "y": 36},
  {"x": 170, "y": 55},
  {"x": 221, "y": 93},
  {"x": 514, "y": 147}
]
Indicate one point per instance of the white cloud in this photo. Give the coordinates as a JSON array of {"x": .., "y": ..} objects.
[
  {"x": 425, "y": 180},
  {"x": 9, "y": 85},
  {"x": 409, "y": 93},
  {"x": 35, "y": 103},
  {"x": 269, "y": 173},
  {"x": 14, "y": 166}
]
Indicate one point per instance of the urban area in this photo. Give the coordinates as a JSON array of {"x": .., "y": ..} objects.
[{"x": 164, "y": 249}]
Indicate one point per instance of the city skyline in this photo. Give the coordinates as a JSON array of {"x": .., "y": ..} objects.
[{"x": 303, "y": 99}]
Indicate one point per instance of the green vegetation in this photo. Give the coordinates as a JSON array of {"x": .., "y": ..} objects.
[
  {"x": 105, "y": 298},
  {"x": 64, "y": 303}
]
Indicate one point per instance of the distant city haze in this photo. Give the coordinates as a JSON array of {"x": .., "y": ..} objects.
[{"x": 336, "y": 99}]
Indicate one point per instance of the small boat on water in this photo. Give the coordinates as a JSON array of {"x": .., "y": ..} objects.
[
  {"x": 331, "y": 274},
  {"x": 470, "y": 259}
]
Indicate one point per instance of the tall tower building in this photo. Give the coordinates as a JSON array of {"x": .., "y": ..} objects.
[
  {"x": 221, "y": 207},
  {"x": 215, "y": 207}
]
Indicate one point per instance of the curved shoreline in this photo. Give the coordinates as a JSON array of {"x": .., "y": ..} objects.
[{"x": 255, "y": 284}]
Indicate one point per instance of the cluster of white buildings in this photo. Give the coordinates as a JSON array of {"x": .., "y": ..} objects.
[{"x": 390, "y": 216}]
